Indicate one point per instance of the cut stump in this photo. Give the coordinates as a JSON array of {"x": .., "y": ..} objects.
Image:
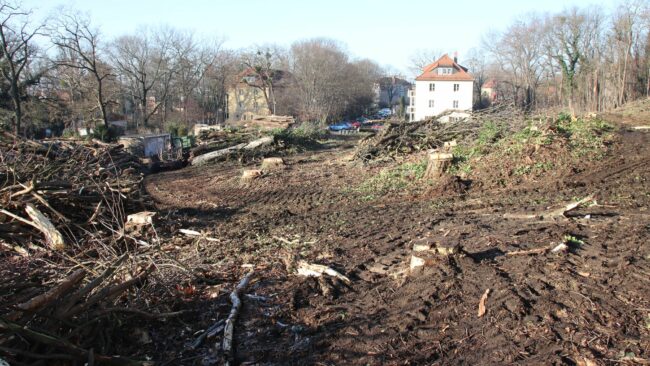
[
  {"x": 438, "y": 163},
  {"x": 269, "y": 164}
]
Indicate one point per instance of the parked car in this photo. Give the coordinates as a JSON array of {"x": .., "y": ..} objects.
[
  {"x": 356, "y": 124},
  {"x": 384, "y": 112},
  {"x": 341, "y": 126}
]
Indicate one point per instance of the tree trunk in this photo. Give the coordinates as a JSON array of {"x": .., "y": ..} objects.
[{"x": 18, "y": 112}]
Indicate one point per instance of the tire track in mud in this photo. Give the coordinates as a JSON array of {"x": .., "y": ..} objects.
[{"x": 543, "y": 308}]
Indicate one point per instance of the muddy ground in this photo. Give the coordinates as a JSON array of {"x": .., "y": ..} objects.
[{"x": 587, "y": 306}]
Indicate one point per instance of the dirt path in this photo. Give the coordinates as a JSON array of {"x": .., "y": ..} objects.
[{"x": 591, "y": 303}]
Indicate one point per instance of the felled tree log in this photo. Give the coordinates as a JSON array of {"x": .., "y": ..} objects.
[{"x": 223, "y": 153}]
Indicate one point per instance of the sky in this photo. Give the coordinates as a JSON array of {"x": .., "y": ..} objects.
[{"x": 387, "y": 32}]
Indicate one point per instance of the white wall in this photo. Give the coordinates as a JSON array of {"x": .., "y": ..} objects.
[{"x": 443, "y": 97}]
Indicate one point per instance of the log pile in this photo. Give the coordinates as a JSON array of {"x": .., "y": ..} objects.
[{"x": 271, "y": 122}]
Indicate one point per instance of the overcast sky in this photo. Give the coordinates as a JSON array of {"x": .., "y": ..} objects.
[{"x": 388, "y": 32}]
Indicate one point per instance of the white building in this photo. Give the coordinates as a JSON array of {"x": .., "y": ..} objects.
[{"x": 444, "y": 85}]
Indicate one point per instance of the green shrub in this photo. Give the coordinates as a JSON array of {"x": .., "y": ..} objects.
[
  {"x": 176, "y": 128},
  {"x": 106, "y": 134},
  {"x": 490, "y": 133},
  {"x": 307, "y": 133}
]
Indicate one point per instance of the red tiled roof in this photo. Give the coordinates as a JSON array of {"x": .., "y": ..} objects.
[
  {"x": 490, "y": 84},
  {"x": 430, "y": 73}
]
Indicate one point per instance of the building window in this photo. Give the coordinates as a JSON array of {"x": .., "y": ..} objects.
[
  {"x": 432, "y": 87},
  {"x": 431, "y": 103},
  {"x": 456, "y": 87},
  {"x": 455, "y": 104}
]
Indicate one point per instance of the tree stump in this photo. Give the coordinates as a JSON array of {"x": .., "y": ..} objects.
[
  {"x": 438, "y": 163},
  {"x": 269, "y": 164},
  {"x": 428, "y": 253}
]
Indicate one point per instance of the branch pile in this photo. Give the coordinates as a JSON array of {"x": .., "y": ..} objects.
[
  {"x": 55, "y": 192},
  {"x": 68, "y": 320},
  {"x": 406, "y": 138},
  {"x": 65, "y": 261}
]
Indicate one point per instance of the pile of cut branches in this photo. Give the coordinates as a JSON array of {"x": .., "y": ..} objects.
[
  {"x": 54, "y": 193},
  {"x": 409, "y": 137},
  {"x": 69, "y": 263},
  {"x": 71, "y": 320}
]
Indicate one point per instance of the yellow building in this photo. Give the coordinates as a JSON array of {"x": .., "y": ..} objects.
[{"x": 249, "y": 96}]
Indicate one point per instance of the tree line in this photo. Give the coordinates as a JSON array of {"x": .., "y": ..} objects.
[
  {"x": 63, "y": 72},
  {"x": 583, "y": 59},
  {"x": 74, "y": 76}
]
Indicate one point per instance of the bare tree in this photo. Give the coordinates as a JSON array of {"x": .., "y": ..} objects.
[
  {"x": 629, "y": 25},
  {"x": 318, "y": 66},
  {"x": 17, "y": 54},
  {"x": 478, "y": 66},
  {"x": 146, "y": 61},
  {"x": 263, "y": 65},
  {"x": 570, "y": 36},
  {"x": 80, "y": 48},
  {"x": 192, "y": 60},
  {"x": 212, "y": 90},
  {"x": 518, "y": 51},
  {"x": 421, "y": 58}
]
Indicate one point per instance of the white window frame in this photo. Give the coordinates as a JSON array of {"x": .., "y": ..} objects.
[
  {"x": 431, "y": 103},
  {"x": 456, "y": 87},
  {"x": 455, "y": 104},
  {"x": 432, "y": 87}
]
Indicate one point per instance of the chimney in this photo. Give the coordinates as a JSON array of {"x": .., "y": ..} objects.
[{"x": 456, "y": 56}]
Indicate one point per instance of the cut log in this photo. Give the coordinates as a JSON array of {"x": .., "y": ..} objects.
[
  {"x": 223, "y": 153},
  {"x": 53, "y": 237},
  {"x": 141, "y": 218},
  {"x": 317, "y": 270},
  {"x": 428, "y": 254},
  {"x": 448, "y": 145},
  {"x": 229, "y": 329},
  {"x": 269, "y": 164},
  {"x": 438, "y": 164}
]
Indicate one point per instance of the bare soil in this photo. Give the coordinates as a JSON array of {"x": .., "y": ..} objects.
[{"x": 589, "y": 305}]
